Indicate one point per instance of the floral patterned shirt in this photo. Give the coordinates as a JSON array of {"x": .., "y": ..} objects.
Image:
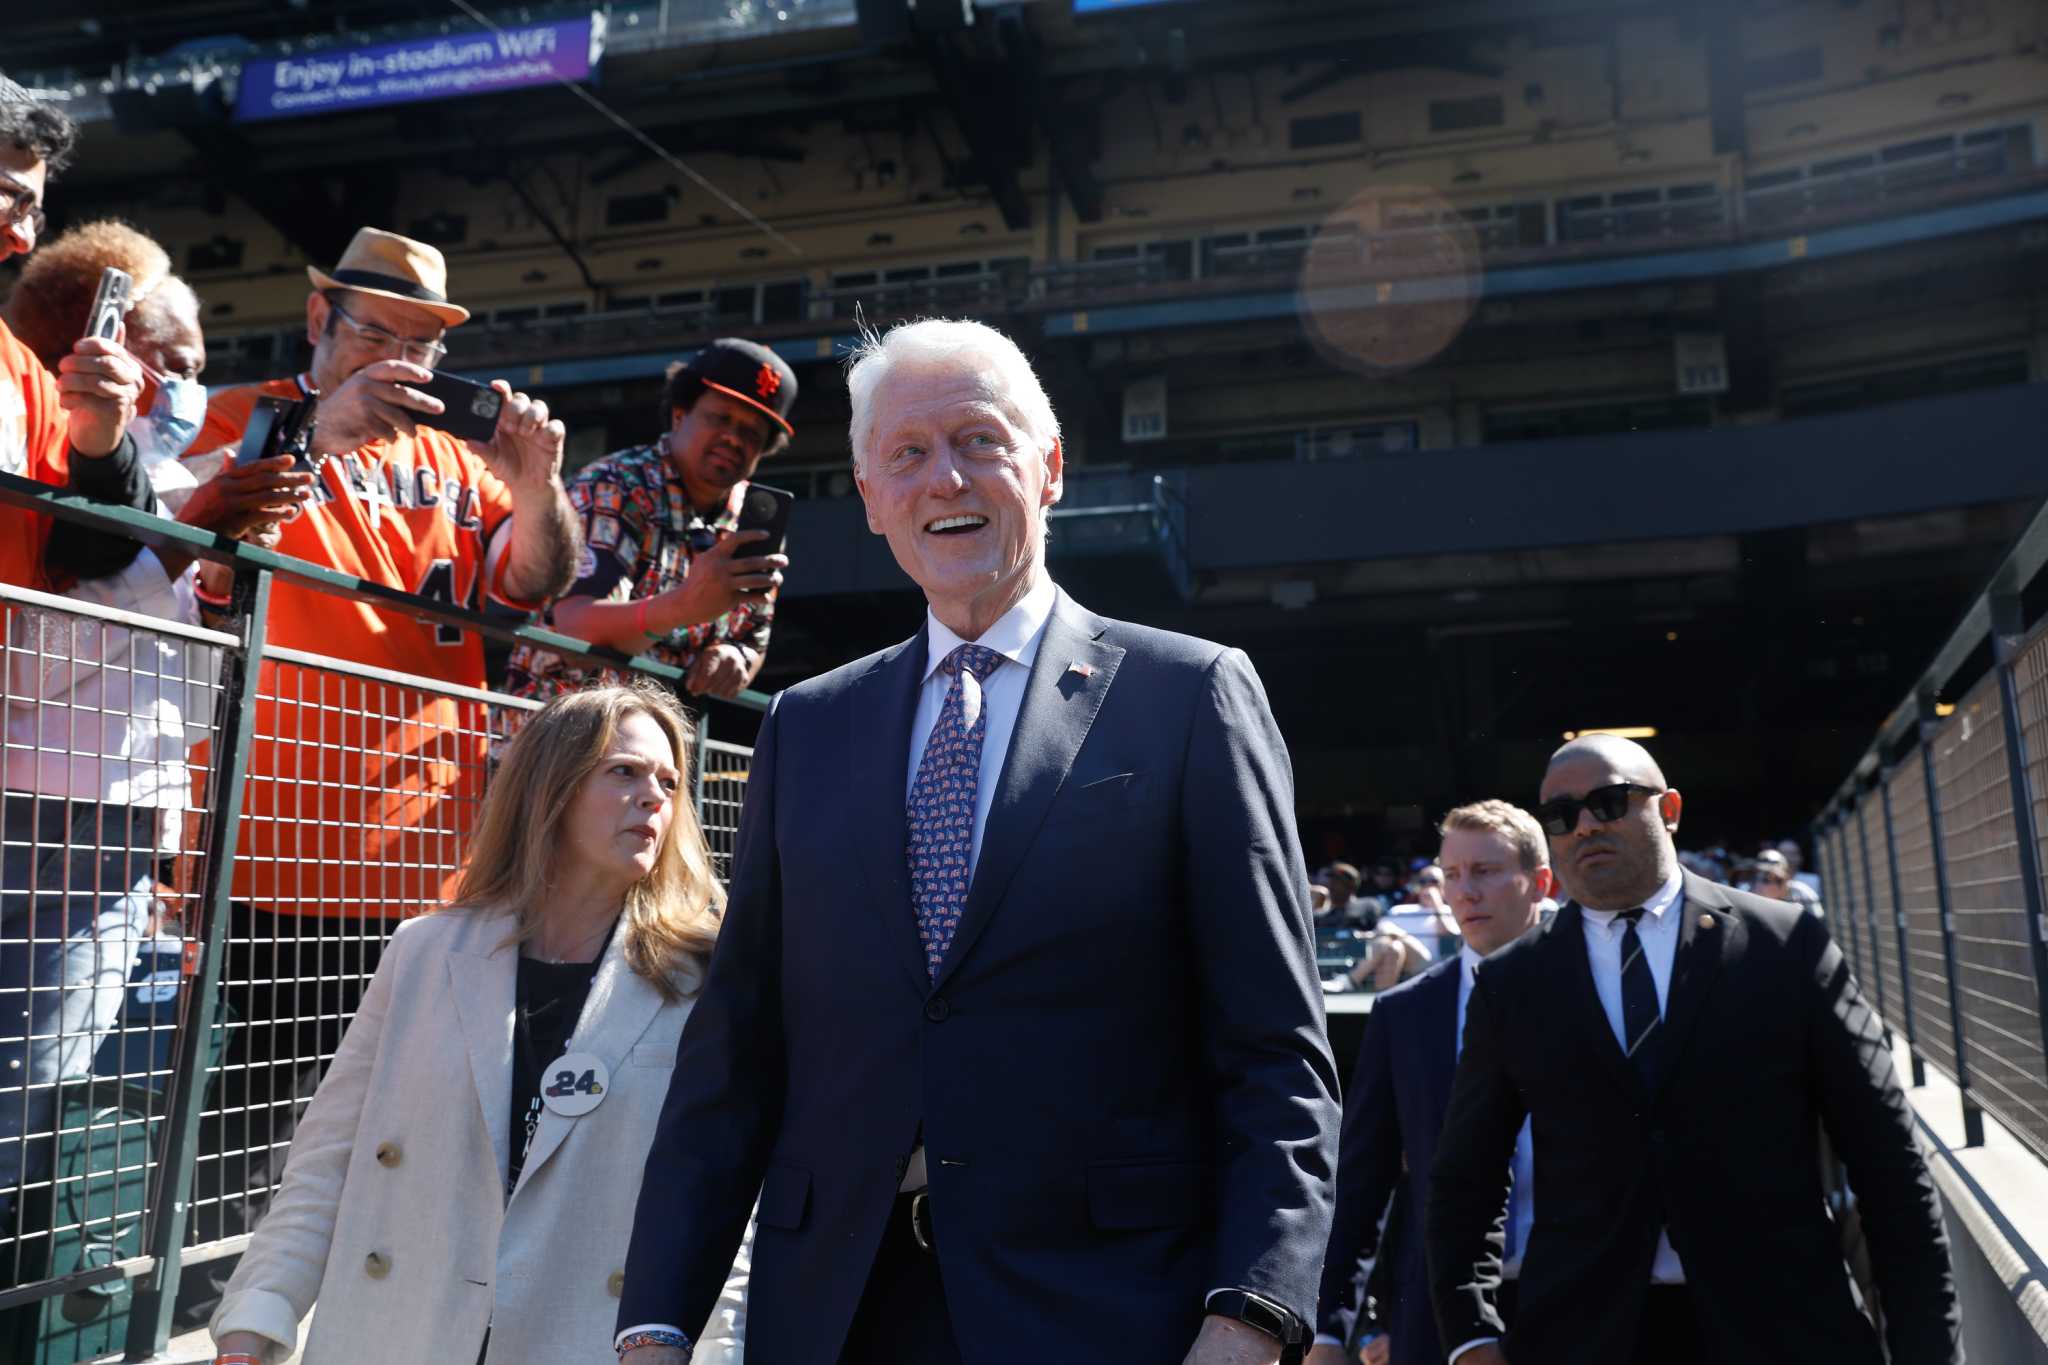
[{"x": 637, "y": 524}]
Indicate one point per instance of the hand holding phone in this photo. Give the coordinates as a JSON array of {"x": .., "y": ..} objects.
[{"x": 109, "y": 304}]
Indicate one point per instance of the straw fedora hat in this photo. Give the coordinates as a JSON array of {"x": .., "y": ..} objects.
[{"x": 393, "y": 267}]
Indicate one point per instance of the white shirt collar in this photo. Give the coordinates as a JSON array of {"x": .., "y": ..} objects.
[
  {"x": 1667, "y": 896},
  {"x": 1468, "y": 960},
  {"x": 1015, "y": 635}
]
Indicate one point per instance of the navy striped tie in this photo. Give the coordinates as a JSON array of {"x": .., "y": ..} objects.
[{"x": 1639, "y": 1013}]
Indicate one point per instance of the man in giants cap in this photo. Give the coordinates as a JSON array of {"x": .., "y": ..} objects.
[{"x": 663, "y": 570}]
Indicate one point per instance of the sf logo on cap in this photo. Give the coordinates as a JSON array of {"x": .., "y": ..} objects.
[{"x": 767, "y": 381}]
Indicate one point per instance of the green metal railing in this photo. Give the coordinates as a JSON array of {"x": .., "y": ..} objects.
[{"x": 717, "y": 777}]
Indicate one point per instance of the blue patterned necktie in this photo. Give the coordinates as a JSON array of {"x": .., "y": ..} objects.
[
  {"x": 941, "y": 808},
  {"x": 1640, "y": 1015}
]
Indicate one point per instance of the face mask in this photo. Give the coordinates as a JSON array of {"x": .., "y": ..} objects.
[{"x": 172, "y": 422}]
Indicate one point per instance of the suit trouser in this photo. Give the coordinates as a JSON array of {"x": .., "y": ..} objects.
[
  {"x": 902, "y": 1317},
  {"x": 1668, "y": 1331}
]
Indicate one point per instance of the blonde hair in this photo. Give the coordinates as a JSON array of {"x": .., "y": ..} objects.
[
  {"x": 671, "y": 915},
  {"x": 1509, "y": 821},
  {"x": 49, "y": 306}
]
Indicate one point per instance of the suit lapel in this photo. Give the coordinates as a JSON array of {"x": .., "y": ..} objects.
[
  {"x": 1706, "y": 931},
  {"x": 1059, "y": 707},
  {"x": 620, "y": 1006},
  {"x": 481, "y": 980},
  {"x": 1440, "y": 1035},
  {"x": 1567, "y": 937},
  {"x": 884, "y": 705}
]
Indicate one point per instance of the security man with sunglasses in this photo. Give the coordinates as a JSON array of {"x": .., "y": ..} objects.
[
  {"x": 664, "y": 573},
  {"x": 1678, "y": 1049}
]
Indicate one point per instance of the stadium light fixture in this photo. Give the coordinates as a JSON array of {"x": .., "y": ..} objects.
[{"x": 1618, "y": 731}]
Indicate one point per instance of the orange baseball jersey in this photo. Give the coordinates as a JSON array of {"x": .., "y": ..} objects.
[
  {"x": 35, "y": 443},
  {"x": 360, "y": 792}
]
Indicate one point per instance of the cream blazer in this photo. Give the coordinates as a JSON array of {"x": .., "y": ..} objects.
[{"x": 393, "y": 1215}]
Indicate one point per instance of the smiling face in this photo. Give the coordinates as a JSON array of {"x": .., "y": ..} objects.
[
  {"x": 616, "y": 821},
  {"x": 1493, "y": 897},
  {"x": 954, "y": 480},
  {"x": 715, "y": 443},
  {"x": 1617, "y": 864}
]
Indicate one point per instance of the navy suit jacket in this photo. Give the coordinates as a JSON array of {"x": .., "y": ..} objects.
[
  {"x": 1393, "y": 1111},
  {"x": 1120, "y": 1074}
]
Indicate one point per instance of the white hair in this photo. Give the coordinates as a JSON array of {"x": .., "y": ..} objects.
[{"x": 931, "y": 340}]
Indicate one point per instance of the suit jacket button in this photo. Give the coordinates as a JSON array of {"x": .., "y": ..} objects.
[
  {"x": 376, "y": 1265},
  {"x": 615, "y": 1284},
  {"x": 937, "y": 1010},
  {"x": 388, "y": 1154}
]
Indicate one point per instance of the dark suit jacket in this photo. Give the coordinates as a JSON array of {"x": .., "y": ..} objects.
[
  {"x": 1120, "y": 1075},
  {"x": 1766, "y": 1041},
  {"x": 1393, "y": 1108}
]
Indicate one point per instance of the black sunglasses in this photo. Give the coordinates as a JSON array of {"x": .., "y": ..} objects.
[{"x": 1608, "y": 804}]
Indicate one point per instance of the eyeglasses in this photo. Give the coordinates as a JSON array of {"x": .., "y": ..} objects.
[
  {"x": 1608, "y": 804},
  {"x": 19, "y": 206},
  {"x": 427, "y": 353}
]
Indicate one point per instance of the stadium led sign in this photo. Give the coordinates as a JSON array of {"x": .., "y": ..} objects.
[
  {"x": 337, "y": 80},
  {"x": 1105, "y": 6}
]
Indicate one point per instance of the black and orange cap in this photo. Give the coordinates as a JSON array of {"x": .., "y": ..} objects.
[{"x": 750, "y": 372}]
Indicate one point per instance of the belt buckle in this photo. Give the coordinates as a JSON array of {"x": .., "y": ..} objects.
[{"x": 921, "y": 1219}]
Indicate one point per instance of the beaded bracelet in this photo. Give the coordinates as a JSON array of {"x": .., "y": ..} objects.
[{"x": 654, "y": 1338}]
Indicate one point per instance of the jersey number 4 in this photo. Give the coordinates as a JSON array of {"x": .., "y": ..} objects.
[{"x": 438, "y": 585}]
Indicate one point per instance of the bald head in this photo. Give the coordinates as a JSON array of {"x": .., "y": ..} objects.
[
  {"x": 1613, "y": 863},
  {"x": 1622, "y": 756}
]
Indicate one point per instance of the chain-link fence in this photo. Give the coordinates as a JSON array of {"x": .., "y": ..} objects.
[
  {"x": 1943, "y": 918},
  {"x": 207, "y": 842}
]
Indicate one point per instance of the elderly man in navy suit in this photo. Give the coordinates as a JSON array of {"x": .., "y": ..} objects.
[{"x": 1048, "y": 1080}]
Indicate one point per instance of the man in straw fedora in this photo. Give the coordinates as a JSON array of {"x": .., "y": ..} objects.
[{"x": 361, "y": 790}]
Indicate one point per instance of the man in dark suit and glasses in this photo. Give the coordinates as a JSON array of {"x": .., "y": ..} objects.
[
  {"x": 1677, "y": 1049},
  {"x": 1497, "y": 871},
  {"x": 1048, "y": 1081}
]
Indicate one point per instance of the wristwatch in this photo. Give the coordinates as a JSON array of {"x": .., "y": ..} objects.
[{"x": 1256, "y": 1310}]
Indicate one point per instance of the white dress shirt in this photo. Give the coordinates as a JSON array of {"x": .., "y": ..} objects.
[
  {"x": 1659, "y": 932},
  {"x": 1015, "y": 636}
]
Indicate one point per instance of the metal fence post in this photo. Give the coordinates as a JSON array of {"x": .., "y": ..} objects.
[
  {"x": 1973, "y": 1117},
  {"x": 1891, "y": 853},
  {"x": 149, "y": 1321},
  {"x": 2008, "y": 634},
  {"x": 1870, "y": 913},
  {"x": 1848, "y": 887}
]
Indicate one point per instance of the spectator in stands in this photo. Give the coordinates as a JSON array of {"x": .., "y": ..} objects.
[
  {"x": 361, "y": 792},
  {"x": 463, "y": 1184},
  {"x": 108, "y": 709},
  {"x": 1428, "y": 917},
  {"x": 1319, "y": 902},
  {"x": 1387, "y": 882},
  {"x": 1680, "y": 1049},
  {"x": 1805, "y": 886},
  {"x": 664, "y": 573},
  {"x": 1392, "y": 955},
  {"x": 1498, "y": 869},
  {"x": 1345, "y": 902},
  {"x": 1773, "y": 880}
]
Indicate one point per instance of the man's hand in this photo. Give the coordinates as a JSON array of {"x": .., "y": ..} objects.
[
  {"x": 99, "y": 384},
  {"x": 1326, "y": 1354},
  {"x": 1489, "y": 1354},
  {"x": 373, "y": 404},
  {"x": 722, "y": 670},
  {"x": 526, "y": 450},
  {"x": 1226, "y": 1341},
  {"x": 244, "y": 501},
  {"x": 654, "y": 1355},
  {"x": 1378, "y": 1351},
  {"x": 719, "y": 580}
]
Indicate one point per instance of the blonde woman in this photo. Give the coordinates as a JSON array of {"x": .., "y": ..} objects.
[{"x": 462, "y": 1186}]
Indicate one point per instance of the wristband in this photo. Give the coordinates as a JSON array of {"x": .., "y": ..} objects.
[
  {"x": 654, "y": 1337},
  {"x": 210, "y": 599},
  {"x": 237, "y": 1358}
]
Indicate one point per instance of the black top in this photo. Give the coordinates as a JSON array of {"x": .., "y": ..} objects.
[
  {"x": 546, "y": 1004},
  {"x": 84, "y": 552}
]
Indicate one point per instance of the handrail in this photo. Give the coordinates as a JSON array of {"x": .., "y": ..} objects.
[{"x": 163, "y": 533}]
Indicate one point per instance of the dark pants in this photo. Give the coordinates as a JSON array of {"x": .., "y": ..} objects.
[
  {"x": 1668, "y": 1333},
  {"x": 291, "y": 984},
  {"x": 902, "y": 1318}
]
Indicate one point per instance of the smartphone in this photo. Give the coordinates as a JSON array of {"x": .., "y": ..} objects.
[
  {"x": 276, "y": 427},
  {"x": 765, "y": 509},
  {"x": 473, "y": 408},
  {"x": 109, "y": 304}
]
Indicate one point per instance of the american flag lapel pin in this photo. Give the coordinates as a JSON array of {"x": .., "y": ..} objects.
[{"x": 1081, "y": 670}]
